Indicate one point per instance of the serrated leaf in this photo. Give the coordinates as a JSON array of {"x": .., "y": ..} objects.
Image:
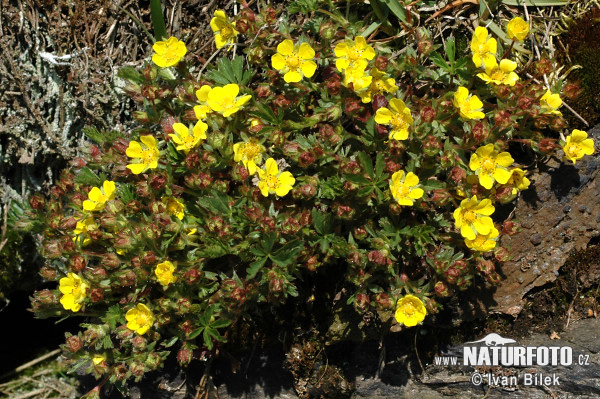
[
  {"x": 88, "y": 177},
  {"x": 171, "y": 342},
  {"x": 450, "y": 49},
  {"x": 322, "y": 221},
  {"x": 268, "y": 241},
  {"x": 439, "y": 61},
  {"x": 357, "y": 179},
  {"x": 379, "y": 165},
  {"x": 254, "y": 267},
  {"x": 366, "y": 163},
  {"x": 220, "y": 323},
  {"x": 131, "y": 74}
]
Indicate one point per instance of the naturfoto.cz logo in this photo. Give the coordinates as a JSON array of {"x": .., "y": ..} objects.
[{"x": 494, "y": 350}]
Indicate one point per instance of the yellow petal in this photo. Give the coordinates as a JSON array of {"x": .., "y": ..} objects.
[
  {"x": 486, "y": 180},
  {"x": 271, "y": 167},
  {"x": 136, "y": 168},
  {"x": 134, "y": 150},
  {"x": 308, "y": 68},
  {"x": 383, "y": 116},
  {"x": 416, "y": 193},
  {"x": 306, "y": 52},
  {"x": 277, "y": 61},
  {"x": 150, "y": 141},
  {"x": 504, "y": 159},
  {"x": 292, "y": 77},
  {"x": 411, "y": 179},
  {"x": 286, "y": 47},
  {"x": 502, "y": 175}
]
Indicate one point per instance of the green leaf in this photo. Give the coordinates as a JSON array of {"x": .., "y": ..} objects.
[
  {"x": 195, "y": 333},
  {"x": 450, "y": 49},
  {"x": 323, "y": 222},
  {"x": 379, "y": 165},
  {"x": 77, "y": 366},
  {"x": 131, "y": 74},
  {"x": 286, "y": 254},
  {"x": 220, "y": 323},
  {"x": 366, "y": 163},
  {"x": 438, "y": 60},
  {"x": 397, "y": 9},
  {"x": 357, "y": 179},
  {"x": 431, "y": 184},
  {"x": 381, "y": 10},
  {"x": 171, "y": 342},
  {"x": 268, "y": 241},
  {"x": 158, "y": 20},
  {"x": 254, "y": 267},
  {"x": 87, "y": 177},
  {"x": 107, "y": 343}
]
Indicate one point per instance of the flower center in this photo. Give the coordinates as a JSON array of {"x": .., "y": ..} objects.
[
  {"x": 488, "y": 166},
  {"x": 399, "y": 122},
  {"x": 409, "y": 309},
  {"x": 482, "y": 48},
  {"x": 469, "y": 217},
  {"x": 272, "y": 182},
  {"x": 147, "y": 156},
  {"x": 251, "y": 150},
  {"x": 574, "y": 150},
  {"x": 293, "y": 61},
  {"x": 497, "y": 74},
  {"x": 354, "y": 54},
  {"x": 404, "y": 191},
  {"x": 226, "y": 32}
]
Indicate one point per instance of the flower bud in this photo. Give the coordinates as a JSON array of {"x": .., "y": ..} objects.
[
  {"x": 37, "y": 201},
  {"x": 73, "y": 343},
  {"x": 548, "y": 146},
  {"x": 428, "y": 114},
  {"x": 571, "y": 91},
  {"x": 362, "y": 301},
  {"x": 78, "y": 263},
  {"x": 185, "y": 354},
  {"x": 141, "y": 116},
  {"x": 381, "y": 62},
  {"x": 480, "y": 131},
  {"x": 96, "y": 295},
  {"x": 501, "y": 254},
  {"x": 441, "y": 289},
  {"x": 543, "y": 67}
]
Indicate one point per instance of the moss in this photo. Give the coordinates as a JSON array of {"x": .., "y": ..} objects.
[{"x": 583, "y": 46}]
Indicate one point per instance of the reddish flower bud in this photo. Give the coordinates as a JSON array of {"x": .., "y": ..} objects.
[
  {"x": 191, "y": 276},
  {"x": 441, "y": 196},
  {"x": 428, "y": 114},
  {"x": 525, "y": 103},
  {"x": 441, "y": 289},
  {"x": 78, "y": 263},
  {"x": 96, "y": 295},
  {"x": 480, "y": 131},
  {"x": 282, "y": 101},
  {"x": 37, "y": 202},
  {"x": 74, "y": 343},
  {"x": 571, "y": 91},
  {"x": 306, "y": 159},
  {"x": 185, "y": 355},
  {"x": 501, "y": 254},
  {"x": 362, "y": 301},
  {"x": 158, "y": 181},
  {"x": 458, "y": 175},
  {"x": 543, "y": 67},
  {"x": 548, "y": 146},
  {"x": 263, "y": 91},
  {"x": 381, "y": 62}
]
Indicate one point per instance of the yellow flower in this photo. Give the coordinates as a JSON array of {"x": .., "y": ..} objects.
[
  {"x": 225, "y": 101},
  {"x": 398, "y": 117},
  {"x": 175, "y": 207},
  {"x": 483, "y": 49},
  {"x": 502, "y": 74},
  {"x": 146, "y": 153},
  {"x": 98, "y": 197},
  {"x": 550, "y": 103},
  {"x": 403, "y": 188},
  {"x": 469, "y": 107},
  {"x": 186, "y": 141},
  {"x": 517, "y": 29},
  {"x": 349, "y": 52},
  {"x": 202, "y": 95},
  {"x": 358, "y": 77},
  {"x": 518, "y": 180},
  {"x": 97, "y": 359},
  {"x": 169, "y": 52},
  {"x": 224, "y": 30},
  {"x": 577, "y": 145},
  {"x": 139, "y": 319},
  {"x": 483, "y": 242},
  {"x": 410, "y": 311},
  {"x": 491, "y": 166},
  {"x": 294, "y": 61},
  {"x": 74, "y": 289},
  {"x": 472, "y": 217},
  {"x": 249, "y": 153},
  {"x": 271, "y": 181},
  {"x": 82, "y": 230},
  {"x": 380, "y": 83},
  {"x": 164, "y": 273}
]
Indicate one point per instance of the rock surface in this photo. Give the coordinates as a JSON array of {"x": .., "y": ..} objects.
[
  {"x": 560, "y": 212},
  {"x": 401, "y": 376}
]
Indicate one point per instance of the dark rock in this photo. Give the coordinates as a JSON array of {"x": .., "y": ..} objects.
[{"x": 536, "y": 239}]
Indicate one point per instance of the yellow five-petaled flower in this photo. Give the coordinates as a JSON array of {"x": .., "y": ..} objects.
[
  {"x": 74, "y": 290},
  {"x": 358, "y": 77},
  {"x": 82, "y": 230},
  {"x": 139, "y": 319},
  {"x": 490, "y": 166},
  {"x": 483, "y": 49},
  {"x": 225, "y": 100},
  {"x": 202, "y": 110},
  {"x": 271, "y": 181},
  {"x": 410, "y": 311},
  {"x": 469, "y": 107},
  {"x": 550, "y": 103},
  {"x": 175, "y": 207},
  {"x": 294, "y": 61},
  {"x": 483, "y": 242},
  {"x": 98, "y": 197},
  {"x": 164, "y": 273},
  {"x": 472, "y": 217},
  {"x": 224, "y": 30},
  {"x": 146, "y": 153},
  {"x": 184, "y": 140},
  {"x": 517, "y": 29},
  {"x": 249, "y": 153},
  {"x": 349, "y": 53},
  {"x": 518, "y": 181},
  {"x": 502, "y": 74},
  {"x": 398, "y": 116},
  {"x": 577, "y": 145},
  {"x": 404, "y": 188},
  {"x": 379, "y": 84},
  {"x": 169, "y": 52}
]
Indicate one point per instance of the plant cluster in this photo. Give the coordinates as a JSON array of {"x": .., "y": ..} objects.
[{"x": 324, "y": 147}]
